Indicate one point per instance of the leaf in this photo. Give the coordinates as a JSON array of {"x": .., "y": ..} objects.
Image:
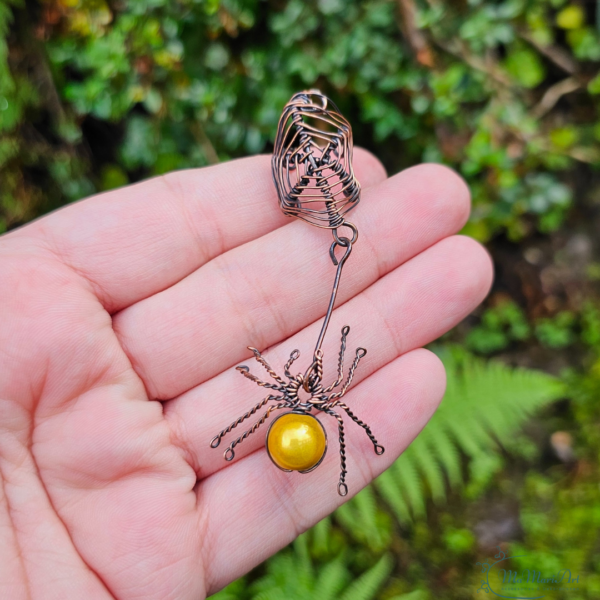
[
  {"x": 485, "y": 404},
  {"x": 359, "y": 515},
  {"x": 570, "y": 17},
  {"x": 526, "y": 67},
  {"x": 367, "y": 585},
  {"x": 332, "y": 578}
]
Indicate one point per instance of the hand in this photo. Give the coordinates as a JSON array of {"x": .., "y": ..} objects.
[{"x": 122, "y": 318}]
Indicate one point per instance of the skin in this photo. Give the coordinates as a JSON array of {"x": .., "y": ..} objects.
[{"x": 122, "y": 317}]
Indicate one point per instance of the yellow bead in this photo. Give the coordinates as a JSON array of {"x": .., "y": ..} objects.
[{"x": 296, "y": 442}]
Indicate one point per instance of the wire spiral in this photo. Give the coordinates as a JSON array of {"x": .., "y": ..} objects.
[{"x": 312, "y": 161}]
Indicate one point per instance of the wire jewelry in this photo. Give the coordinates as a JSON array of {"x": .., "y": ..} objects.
[{"x": 312, "y": 172}]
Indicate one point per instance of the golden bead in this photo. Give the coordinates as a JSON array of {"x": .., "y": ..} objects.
[{"x": 296, "y": 442}]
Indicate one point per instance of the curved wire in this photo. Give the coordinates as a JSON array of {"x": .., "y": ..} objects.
[{"x": 312, "y": 161}]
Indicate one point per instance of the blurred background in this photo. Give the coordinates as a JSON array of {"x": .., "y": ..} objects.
[{"x": 96, "y": 94}]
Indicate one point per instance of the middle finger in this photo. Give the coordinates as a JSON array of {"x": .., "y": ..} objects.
[{"x": 264, "y": 291}]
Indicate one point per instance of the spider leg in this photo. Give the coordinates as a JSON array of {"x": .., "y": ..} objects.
[
  {"x": 342, "y": 487},
  {"x": 245, "y": 371},
  {"x": 345, "y": 332},
  {"x": 293, "y": 356},
  {"x": 259, "y": 357},
  {"x": 360, "y": 352},
  {"x": 217, "y": 439},
  {"x": 229, "y": 453},
  {"x": 379, "y": 450}
]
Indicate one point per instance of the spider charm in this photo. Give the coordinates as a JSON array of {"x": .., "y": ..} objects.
[
  {"x": 313, "y": 176},
  {"x": 296, "y": 440}
]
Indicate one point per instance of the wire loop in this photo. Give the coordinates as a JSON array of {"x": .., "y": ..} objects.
[{"x": 351, "y": 226}]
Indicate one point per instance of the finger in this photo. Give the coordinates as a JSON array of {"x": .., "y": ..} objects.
[
  {"x": 266, "y": 290},
  {"x": 253, "y": 509},
  {"x": 404, "y": 310},
  {"x": 138, "y": 240}
]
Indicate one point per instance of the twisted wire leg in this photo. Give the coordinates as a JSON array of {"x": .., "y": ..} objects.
[
  {"x": 345, "y": 332},
  {"x": 217, "y": 439},
  {"x": 342, "y": 487},
  {"x": 259, "y": 357},
  {"x": 293, "y": 356},
  {"x": 379, "y": 449},
  {"x": 245, "y": 371},
  {"x": 229, "y": 454},
  {"x": 360, "y": 352}
]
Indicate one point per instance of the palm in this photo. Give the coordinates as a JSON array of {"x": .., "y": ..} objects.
[{"x": 122, "y": 318}]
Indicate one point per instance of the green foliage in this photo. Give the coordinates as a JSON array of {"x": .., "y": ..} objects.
[
  {"x": 459, "y": 541},
  {"x": 365, "y": 521},
  {"x": 500, "y": 325},
  {"x": 564, "y": 535},
  {"x": 525, "y": 66},
  {"x": 556, "y": 332},
  {"x": 293, "y": 575},
  {"x": 182, "y": 84},
  {"x": 366, "y": 586},
  {"x": 560, "y": 510},
  {"x": 505, "y": 324},
  {"x": 484, "y": 407},
  {"x": 590, "y": 319}
]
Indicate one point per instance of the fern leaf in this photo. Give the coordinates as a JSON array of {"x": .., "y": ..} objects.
[
  {"x": 304, "y": 568},
  {"x": 366, "y": 510},
  {"x": 359, "y": 516},
  {"x": 414, "y": 595},
  {"x": 332, "y": 578},
  {"x": 410, "y": 485},
  {"x": 485, "y": 404},
  {"x": 320, "y": 539},
  {"x": 432, "y": 473},
  {"x": 367, "y": 585},
  {"x": 446, "y": 452},
  {"x": 389, "y": 489}
]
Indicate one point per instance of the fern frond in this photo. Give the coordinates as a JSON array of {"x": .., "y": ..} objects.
[
  {"x": 287, "y": 580},
  {"x": 320, "y": 536},
  {"x": 414, "y": 595},
  {"x": 409, "y": 481},
  {"x": 305, "y": 574},
  {"x": 367, "y": 585},
  {"x": 233, "y": 591},
  {"x": 332, "y": 578},
  {"x": 390, "y": 490},
  {"x": 366, "y": 509},
  {"x": 446, "y": 452},
  {"x": 432, "y": 473},
  {"x": 485, "y": 404},
  {"x": 359, "y": 516}
]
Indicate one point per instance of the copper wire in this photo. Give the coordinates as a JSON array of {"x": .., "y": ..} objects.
[
  {"x": 312, "y": 171},
  {"x": 312, "y": 161}
]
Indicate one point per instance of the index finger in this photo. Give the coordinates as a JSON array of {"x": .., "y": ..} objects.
[{"x": 138, "y": 240}]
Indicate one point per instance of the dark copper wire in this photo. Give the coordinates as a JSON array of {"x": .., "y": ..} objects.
[
  {"x": 312, "y": 161},
  {"x": 312, "y": 171}
]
